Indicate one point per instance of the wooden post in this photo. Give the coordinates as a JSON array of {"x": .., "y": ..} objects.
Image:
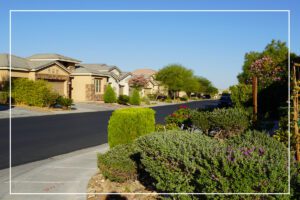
[
  {"x": 254, "y": 96},
  {"x": 296, "y": 110}
]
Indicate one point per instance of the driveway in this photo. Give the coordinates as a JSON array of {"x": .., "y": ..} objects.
[{"x": 68, "y": 173}]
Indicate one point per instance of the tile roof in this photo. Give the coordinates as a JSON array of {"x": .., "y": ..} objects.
[{"x": 52, "y": 56}]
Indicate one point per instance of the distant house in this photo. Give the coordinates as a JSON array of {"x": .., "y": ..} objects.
[
  {"x": 54, "y": 68},
  {"x": 152, "y": 86},
  {"x": 89, "y": 81},
  {"x": 68, "y": 77}
]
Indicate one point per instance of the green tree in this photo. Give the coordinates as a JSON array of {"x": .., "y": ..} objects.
[
  {"x": 205, "y": 86},
  {"x": 174, "y": 76},
  {"x": 241, "y": 95},
  {"x": 191, "y": 86},
  {"x": 135, "y": 98},
  {"x": 110, "y": 95}
]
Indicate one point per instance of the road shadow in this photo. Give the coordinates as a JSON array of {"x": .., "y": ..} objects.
[
  {"x": 115, "y": 196},
  {"x": 5, "y": 107}
]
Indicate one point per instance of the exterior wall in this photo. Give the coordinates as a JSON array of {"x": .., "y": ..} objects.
[
  {"x": 84, "y": 88},
  {"x": 115, "y": 71},
  {"x": 79, "y": 87},
  {"x": 4, "y": 75},
  {"x": 19, "y": 74},
  {"x": 126, "y": 87},
  {"x": 114, "y": 84},
  {"x": 54, "y": 69}
]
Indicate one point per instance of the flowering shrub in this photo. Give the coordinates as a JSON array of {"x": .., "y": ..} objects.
[
  {"x": 180, "y": 117},
  {"x": 266, "y": 70},
  {"x": 138, "y": 81}
]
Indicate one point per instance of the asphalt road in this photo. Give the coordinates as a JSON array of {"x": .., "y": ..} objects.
[{"x": 41, "y": 137}]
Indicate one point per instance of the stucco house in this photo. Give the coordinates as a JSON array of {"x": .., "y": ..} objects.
[
  {"x": 68, "y": 77},
  {"x": 152, "y": 86},
  {"x": 90, "y": 80},
  {"x": 54, "y": 68}
]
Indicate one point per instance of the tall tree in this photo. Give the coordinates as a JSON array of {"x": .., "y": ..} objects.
[{"x": 174, "y": 76}]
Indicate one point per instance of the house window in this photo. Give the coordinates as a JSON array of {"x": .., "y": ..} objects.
[{"x": 97, "y": 85}]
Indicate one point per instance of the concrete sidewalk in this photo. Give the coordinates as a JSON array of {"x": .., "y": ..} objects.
[{"x": 68, "y": 173}]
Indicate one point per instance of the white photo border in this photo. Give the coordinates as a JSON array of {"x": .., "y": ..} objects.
[{"x": 166, "y": 11}]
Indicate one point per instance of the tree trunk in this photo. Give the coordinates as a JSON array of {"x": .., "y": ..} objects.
[{"x": 254, "y": 96}]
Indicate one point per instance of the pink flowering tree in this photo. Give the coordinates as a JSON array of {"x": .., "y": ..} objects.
[
  {"x": 266, "y": 71},
  {"x": 138, "y": 82}
]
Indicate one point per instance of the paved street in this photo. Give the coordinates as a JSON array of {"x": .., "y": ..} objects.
[{"x": 41, "y": 137}]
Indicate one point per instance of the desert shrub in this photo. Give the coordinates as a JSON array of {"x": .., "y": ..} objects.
[
  {"x": 4, "y": 97},
  {"x": 126, "y": 124},
  {"x": 168, "y": 100},
  {"x": 241, "y": 95},
  {"x": 295, "y": 180},
  {"x": 221, "y": 122},
  {"x": 146, "y": 100},
  {"x": 180, "y": 117},
  {"x": 118, "y": 164},
  {"x": 109, "y": 95},
  {"x": 166, "y": 127},
  {"x": 184, "y": 98},
  {"x": 152, "y": 97},
  {"x": 64, "y": 102},
  {"x": 135, "y": 98},
  {"x": 189, "y": 162},
  {"x": 33, "y": 93},
  {"x": 123, "y": 99}
]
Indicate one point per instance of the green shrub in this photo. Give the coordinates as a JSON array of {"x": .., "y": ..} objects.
[
  {"x": 221, "y": 123},
  {"x": 135, "y": 98},
  {"x": 126, "y": 124},
  {"x": 117, "y": 164},
  {"x": 33, "y": 93},
  {"x": 184, "y": 98},
  {"x": 168, "y": 100},
  {"x": 295, "y": 180},
  {"x": 152, "y": 97},
  {"x": 123, "y": 99},
  {"x": 189, "y": 162},
  {"x": 109, "y": 95},
  {"x": 146, "y": 100},
  {"x": 4, "y": 97},
  {"x": 64, "y": 102},
  {"x": 241, "y": 95}
]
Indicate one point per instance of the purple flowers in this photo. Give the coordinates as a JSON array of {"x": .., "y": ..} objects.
[{"x": 247, "y": 152}]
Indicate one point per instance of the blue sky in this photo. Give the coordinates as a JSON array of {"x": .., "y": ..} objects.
[{"x": 212, "y": 44}]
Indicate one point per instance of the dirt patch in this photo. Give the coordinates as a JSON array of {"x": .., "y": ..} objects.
[{"x": 98, "y": 184}]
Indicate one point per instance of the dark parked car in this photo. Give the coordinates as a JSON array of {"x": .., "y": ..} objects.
[{"x": 225, "y": 101}]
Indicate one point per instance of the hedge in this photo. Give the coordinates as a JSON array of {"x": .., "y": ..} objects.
[
  {"x": 33, "y": 93},
  {"x": 189, "y": 162},
  {"x": 126, "y": 124},
  {"x": 123, "y": 99}
]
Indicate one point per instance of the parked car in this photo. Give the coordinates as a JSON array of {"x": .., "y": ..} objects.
[{"x": 225, "y": 101}]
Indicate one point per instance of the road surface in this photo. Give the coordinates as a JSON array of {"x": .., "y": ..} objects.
[{"x": 41, "y": 137}]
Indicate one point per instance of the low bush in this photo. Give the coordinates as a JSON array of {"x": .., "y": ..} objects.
[
  {"x": 126, "y": 124},
  {"x": 135, "y": 98},
  {"x": 152, "y": 97},
  {"x": 189, "y": 162},
  {"x": 64, "y": 102},
  {"x": 146, "y": 100},
  {"x": 180, "y": 117},
  {"x": 109, "y": 95},
  {"x": 166, "y": 127},
  {"x": 184, "y": 98},
  {"x": 295, "y": 180},
  {"x": 221, "y": 123},
  {"x": 33, "y": 93},
  {"x": 118, "y": 164},
  {"x": 123, "y": 99},
  {"x": 4, "y": 97},
  {"x": 168, "y": 100}
]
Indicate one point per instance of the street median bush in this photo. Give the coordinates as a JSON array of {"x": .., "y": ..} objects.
[{"x": 126, "y": 124}]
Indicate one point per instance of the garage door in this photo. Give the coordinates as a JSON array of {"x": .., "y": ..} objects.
[{"x": 58, "y": 86}]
